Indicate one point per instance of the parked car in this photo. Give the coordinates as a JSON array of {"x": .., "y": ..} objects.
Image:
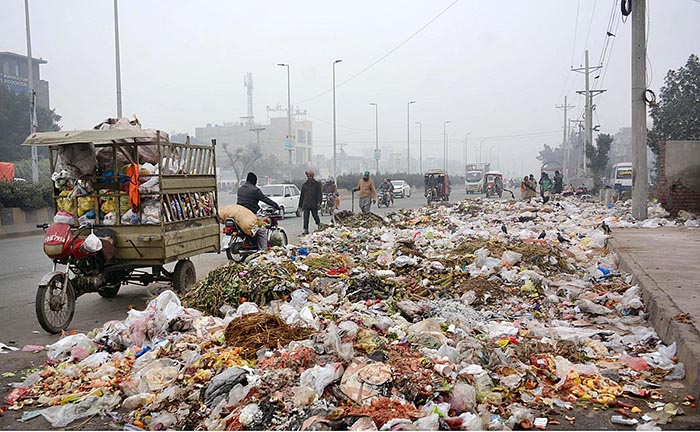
[
  {"x": 401, "y": 188},
  {"x": 285, "y": 195}
]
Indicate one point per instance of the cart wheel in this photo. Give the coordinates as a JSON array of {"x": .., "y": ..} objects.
[
  {"x": 55, "y": 309},
  {"x": 184, "y": 276},
  {"x": 109, "y": 291}
]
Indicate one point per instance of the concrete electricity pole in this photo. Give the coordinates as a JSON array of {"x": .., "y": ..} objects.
[
  {"x": 589, "y": 106},
  {"x": 335, "y": 166},
  {"x": 408, "y": 137},
  {"x": 466, "y": 154},
  {"x": 32, "y": 95},
  {"x": 420, "y": 138},
  {"x": 639, "y": 111},
  {"x": 117, "y": 60},
  {"x": 565, "y": 143},
  {"x": 289, "y": 118},
  {"x": 444, "y": 138},
  {"x": 376, "y": 136}
]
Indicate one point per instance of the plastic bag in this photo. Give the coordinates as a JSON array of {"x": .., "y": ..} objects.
[
  {"x": 61, "y": 416},
  {"x": 92, "y": 243},
  {"x": 110, "y": 219},
  {"x": 333, "y": 344},
  {"x": 319, "y": 377},
  {"x": 73, "y": 347},
  {"x": 511, "y": 258},
  {"x": 64, "y": 217},
  {"x": 130, "y": 218}
]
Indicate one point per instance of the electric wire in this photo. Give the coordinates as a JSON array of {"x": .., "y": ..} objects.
[{"x": 384, "y": 56}]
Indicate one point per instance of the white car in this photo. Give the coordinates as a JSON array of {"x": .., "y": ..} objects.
[
  {"x": 285, "y": 195},
  {"x": 401, "y": 188}
]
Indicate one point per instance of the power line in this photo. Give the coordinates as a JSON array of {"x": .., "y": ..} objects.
[
  {"x": 384, "y": 56},
  {"x": 590, "y": 24}
]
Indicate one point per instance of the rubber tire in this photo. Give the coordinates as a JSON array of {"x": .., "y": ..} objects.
[
  {"x": 283, "y": 214},
  {"x": 184, "y": 276},
  {"x": 409, "y": 194},
  {"x": 41, "y": 313},
  {"x": 238, "y": 258},
  {"x": 298, "y": 212},
  {"x": 109, "y": 292},
  {"x": 286, "y": 240}
]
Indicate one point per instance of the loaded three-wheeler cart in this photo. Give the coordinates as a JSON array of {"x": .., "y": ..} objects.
[{"x": 128, "y": 202}]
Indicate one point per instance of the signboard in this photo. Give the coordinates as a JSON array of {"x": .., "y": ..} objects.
[
  {"x": 377, "y": 154},
  {"x": 15, "y": 83},
  {"x": 289, "y": 143}
]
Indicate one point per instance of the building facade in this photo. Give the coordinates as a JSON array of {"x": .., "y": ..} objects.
[
  {"x": 14, "y": 73},
  {"x": 271, "y": 137}
]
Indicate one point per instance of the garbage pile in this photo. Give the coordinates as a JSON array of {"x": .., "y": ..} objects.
[{"x": 477, "y": 315}]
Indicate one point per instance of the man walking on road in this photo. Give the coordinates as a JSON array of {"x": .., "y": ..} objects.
[
  {"x": 368, "y": 193},
  {"x": 310, "y": 200}
]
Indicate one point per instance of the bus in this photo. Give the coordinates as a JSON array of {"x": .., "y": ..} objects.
[{"x": 621, "y": 176}]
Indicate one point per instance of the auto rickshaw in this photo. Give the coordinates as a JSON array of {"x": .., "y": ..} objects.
[
  {"x": 493, "y": 184},
  {"x": 437, "y": 186}
]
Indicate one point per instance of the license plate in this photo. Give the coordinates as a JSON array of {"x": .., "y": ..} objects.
[{"x": 226, "y": 243}]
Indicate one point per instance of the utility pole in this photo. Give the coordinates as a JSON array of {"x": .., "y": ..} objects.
[
  {"x": 289, "y": 142},
  {"x": 444, "y": 138},
  {"x": 118, "y": 60},
  {"x": 639, "y": 112},
  {"x": 257, "y": 130},
  {"x": 583, "y": 152},
  {"x": 335, "y": 168},
  {"x": 565, "y": 143},
  {"x": 420, "y": 138},
  {"x": 589, "y": 105},
  {"x": 32, "y": 95},
  {"x": 408, "y": 136},
  {"x": 376, "y": 136},
  {"x": 466, "y": 154}
]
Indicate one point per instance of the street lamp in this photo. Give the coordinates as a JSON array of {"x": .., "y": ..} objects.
[
  {"x": 420, "y": 134},
  {"x": 335, "y": 166},
  {"x": 289, "y": 116},
  {"x": 480, "y": 143},
  {"x": 408, "y": 137},
  {"x": 444, "y": 137},
  {"x": 32, "y": 94},
  {"x": 376, "y": 135}
]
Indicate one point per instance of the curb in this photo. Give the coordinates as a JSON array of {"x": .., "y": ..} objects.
[{"x": 661, "y": 310}]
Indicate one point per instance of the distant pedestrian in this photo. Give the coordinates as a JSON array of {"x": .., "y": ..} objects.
[
  {"x": 545, "y": 187},
  {"x": 368, "y": 193},
  {"x": 558, "y": 186},
  {"x": 528, "y": 187},
  {"x": 310, "y": 200}
]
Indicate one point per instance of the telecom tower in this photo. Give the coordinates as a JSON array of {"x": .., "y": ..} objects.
[{"x": 248, "y": 84}]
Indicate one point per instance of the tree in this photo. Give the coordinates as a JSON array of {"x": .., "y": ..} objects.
[
  {"x": 242, "y": 158},
  {"x": 676, "y": 116},
  {"x": 268, "y": 166},
  {"x": 14, "y": 124},
  {"x": 549, "y": 154},
  {"x": 598, "y": 157}
]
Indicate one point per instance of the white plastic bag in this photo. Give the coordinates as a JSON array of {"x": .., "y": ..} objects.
[{"x": 92, "y": 243}]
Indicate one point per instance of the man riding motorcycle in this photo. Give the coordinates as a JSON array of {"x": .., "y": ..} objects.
[
  {"x": 329, "y": 187},
  {"x": 249, "y": 195},
  {"x": 387, "y": 186}
]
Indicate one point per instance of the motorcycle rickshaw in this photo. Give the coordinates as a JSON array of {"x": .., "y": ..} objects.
[
  {"x": 493, "y": 184},
  {"x": 437, "y": 186}
]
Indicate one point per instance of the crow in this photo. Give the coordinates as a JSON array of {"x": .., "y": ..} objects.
[
  {"x": 542, "y": 235},
  {"x": 606, "y": 228},
  {"x": 561, "y": 238},
  {"x": 504, "y": 229}
]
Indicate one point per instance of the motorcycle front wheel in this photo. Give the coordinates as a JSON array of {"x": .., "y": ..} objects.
[{"x": 55, "y": 308}]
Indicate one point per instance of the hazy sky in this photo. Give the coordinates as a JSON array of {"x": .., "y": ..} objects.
[{"x": 495, "y": 69}]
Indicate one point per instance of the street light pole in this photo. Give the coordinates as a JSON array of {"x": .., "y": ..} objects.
[
  {"x": 466, "y": 154},
  {"x": 289, "y": 116},
  {"x": 32, "y": 96},
  {"x": 408, "y": 136},
  {"x": 117, "y": 60},
  {"x": 376, "y": 136},
  {"x": 420, "y": 137},
  {"x": 480, "y": 143},
  {"x": 444, "y": 138},
  {"x": 335, "y": 166}
]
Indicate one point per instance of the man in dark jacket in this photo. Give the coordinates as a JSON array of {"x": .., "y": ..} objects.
[
  {"x": 310, "y": 200},
  {"x": 249, "y": 195}
]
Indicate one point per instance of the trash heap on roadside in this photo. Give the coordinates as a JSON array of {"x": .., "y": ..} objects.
[{"x": 477, "y": 315}]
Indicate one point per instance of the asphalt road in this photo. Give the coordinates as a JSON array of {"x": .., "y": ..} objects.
[{"x": 23, "y": 263}]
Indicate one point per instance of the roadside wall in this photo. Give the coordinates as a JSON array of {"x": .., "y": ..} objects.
[
  {"x": 679, "y": 176},
  {"x": 17, "y": 222}
]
